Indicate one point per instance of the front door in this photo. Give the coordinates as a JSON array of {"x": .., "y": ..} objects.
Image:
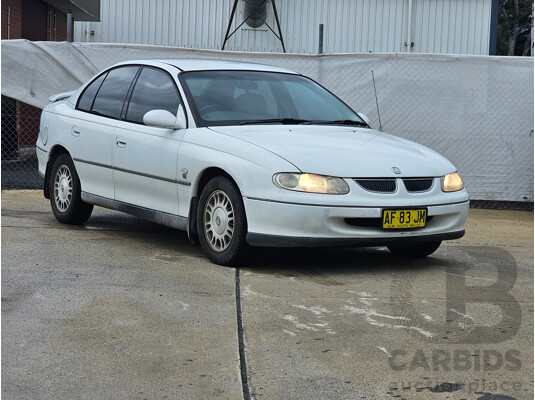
[{"x": 145, "y": 159}]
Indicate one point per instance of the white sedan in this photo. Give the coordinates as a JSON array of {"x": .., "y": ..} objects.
[{"x": 242, "y": 155}]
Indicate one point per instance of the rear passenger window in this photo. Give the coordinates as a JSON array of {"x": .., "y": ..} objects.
[
  {"x": 154, "y": 90},
  {"x": 110, "y": 98},
  {"x": 86, "y": 99}
]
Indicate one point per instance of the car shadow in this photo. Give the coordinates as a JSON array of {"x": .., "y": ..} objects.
[
  {"x": 335, "y": 260},
  {"x": 263, "y": 260},
  {"x": 159, "y": 237}
]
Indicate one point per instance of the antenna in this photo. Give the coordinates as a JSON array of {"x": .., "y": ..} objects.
[{"x": 377, "y": 103}]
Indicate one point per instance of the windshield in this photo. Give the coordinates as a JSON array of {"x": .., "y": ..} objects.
[{"x": 249, "y": 97}]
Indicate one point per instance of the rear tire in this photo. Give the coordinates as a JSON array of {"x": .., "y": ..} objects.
[
  {"x": 221, "y": 222},
  {"x": 65, "y": 193},
  {"x": 415, "y": 249}
]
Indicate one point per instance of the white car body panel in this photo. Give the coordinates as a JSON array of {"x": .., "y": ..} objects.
[
  {"x": 145, "y": 170},
  {"x": 159, "y": 170},
  {"x": 282, "y": 220},
  {"x": 194, "y": 64},
  {"x": 343, "y": 151},
  {"x": 92, "y": 151},
  {"x": 203, "y": 148}
]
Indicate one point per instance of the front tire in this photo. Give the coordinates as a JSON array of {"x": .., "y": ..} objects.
[
  {"x": 221, "y": 222},
  {"x": 65, "y": 193},
  {"x": 415, "y": 249}
]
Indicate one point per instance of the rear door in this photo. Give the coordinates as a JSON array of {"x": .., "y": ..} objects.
[
  {"x": 145, "y": 158},
  {"x": 92, "y": 127}
]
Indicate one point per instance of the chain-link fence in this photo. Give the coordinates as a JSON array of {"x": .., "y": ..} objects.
[
  {"x": 476, "y": 111},
  {"x": 20, "y": 126}
]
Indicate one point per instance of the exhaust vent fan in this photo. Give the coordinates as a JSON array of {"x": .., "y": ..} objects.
[{"x": 254, "y": 12}]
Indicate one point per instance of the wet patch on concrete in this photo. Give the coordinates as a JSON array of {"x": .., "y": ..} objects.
[
  {"x": 174, "y": 258},
  {"x": 320, "y": 278},
  {"x": 168, "y": 257},
  {"x": 10, "y": 301},
  {"x": 446, "y": 387},
  {"x": 490, "y": 396},
  {"x": 28, "y": 214}
]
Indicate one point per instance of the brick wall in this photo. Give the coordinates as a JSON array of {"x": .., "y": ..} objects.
[
  {"x": 12, "y": 11},
  {"x": 56, "y": 25},
  {"x": 48, "y": 21}
]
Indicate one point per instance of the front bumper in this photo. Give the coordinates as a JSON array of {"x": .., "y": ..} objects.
[{"x": 279, "y": 224}]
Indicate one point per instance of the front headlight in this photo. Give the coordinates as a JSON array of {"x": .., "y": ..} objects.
[
  {"x": 451, "y": 182},
  {"x": 311, "y": 183}
]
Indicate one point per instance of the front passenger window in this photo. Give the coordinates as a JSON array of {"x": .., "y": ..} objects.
[{"x": 154, "y": 90}]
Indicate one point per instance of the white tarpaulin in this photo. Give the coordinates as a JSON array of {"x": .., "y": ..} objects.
[{"x": 475, "y": 110}]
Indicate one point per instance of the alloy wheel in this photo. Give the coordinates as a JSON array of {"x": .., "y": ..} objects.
[
  {"x": 63, "y": 188},
  {"x": 218, "y": 219}
]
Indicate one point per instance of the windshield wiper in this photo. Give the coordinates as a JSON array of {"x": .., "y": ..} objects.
[
  {"x": 336, "y": 122},
  {"x": 284, "y": 121},
  {"x": 295, "y": 121}
]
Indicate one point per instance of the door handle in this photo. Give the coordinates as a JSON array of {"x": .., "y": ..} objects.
[
  {"x": 75, "y": 131},
  {"x": 120, "y": 141}
]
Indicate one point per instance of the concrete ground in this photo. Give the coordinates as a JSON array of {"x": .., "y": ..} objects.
[{"x": 120, "y": 308}]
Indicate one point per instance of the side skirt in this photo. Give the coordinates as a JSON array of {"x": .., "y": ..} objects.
[{"x": 170, "y": 220}]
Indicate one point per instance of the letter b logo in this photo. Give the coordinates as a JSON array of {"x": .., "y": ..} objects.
[{"x": 485, "y": 263}]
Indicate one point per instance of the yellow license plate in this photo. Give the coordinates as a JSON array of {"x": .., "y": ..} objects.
[{"x": 404, "y": 219}]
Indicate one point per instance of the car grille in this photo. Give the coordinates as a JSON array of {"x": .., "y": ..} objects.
[
  {"x": 388, "y": 185},
  {"x": 378, "y": 185},
  {"x": 418, "y": 185}
]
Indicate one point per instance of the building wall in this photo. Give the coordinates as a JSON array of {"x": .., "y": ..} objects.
[
  {"x": 41, "y": 21},
  {"x": 34, "y": 20},
  {"x": 11, "y": 19},
  {"x": 37, "y": 21},
  {"x": 451, "y": 26},
  {"x": 56, "y": 25},
  {"x": 350, "y": 26}
]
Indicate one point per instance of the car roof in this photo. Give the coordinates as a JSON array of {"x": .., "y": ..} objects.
[{"x": 196, "y": 64}]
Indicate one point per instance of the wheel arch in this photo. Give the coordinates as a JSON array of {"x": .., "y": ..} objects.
[
  {"x": 54, "y": 153},
  {"x": 204, "y": 177}
]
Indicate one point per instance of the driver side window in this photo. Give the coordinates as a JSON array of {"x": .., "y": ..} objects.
[{"x": 154, "y": 90}]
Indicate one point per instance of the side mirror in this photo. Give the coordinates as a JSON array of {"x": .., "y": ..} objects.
[
  {"x": 364, "y": 117},
  {"x": 164, "y": 119}
]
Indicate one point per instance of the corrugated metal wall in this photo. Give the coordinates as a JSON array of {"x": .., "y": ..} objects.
[
  {"x": 451, "y": 26},
  {"x": 350, "y": 26}
]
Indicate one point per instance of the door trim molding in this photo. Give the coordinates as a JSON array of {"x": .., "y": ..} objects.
[{"x": 129, "y": 171}]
